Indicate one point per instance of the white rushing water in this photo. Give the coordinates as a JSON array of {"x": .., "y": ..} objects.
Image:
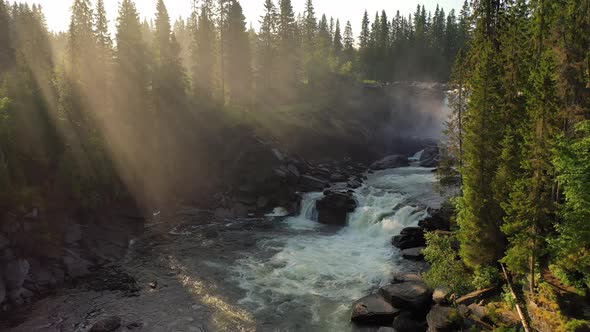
[{"x": 318, "y": 272}]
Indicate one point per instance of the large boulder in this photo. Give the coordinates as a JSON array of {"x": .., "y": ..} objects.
[
  {"x": 407, "y": 322},
  {"x": 373, "y": 310},
  {"x": 392, "y": 161},
  {"x": 311, "y": 183},
  {"x": 107, "y": 324},
  {"x": 334, "y": 207},
  {"x": 430, "y": 157},
  {"x": 437, "y": 220},
  {"x": 414, "y": 296},
  {"x": 76, "y": 266},
  {"x": 443, "y": 319},
  {"x": 410, "y": 237},
  {"x": 413, "y": 254}
]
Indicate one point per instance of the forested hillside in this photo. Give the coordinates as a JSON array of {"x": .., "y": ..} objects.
[
  {"x": 94, "y": 116},
  {"x": 518, "y": 144}
]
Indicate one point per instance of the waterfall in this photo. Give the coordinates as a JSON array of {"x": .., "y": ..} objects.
[
  {"x": 308, "y": 214},
  {"x": 322, "y": 270}
]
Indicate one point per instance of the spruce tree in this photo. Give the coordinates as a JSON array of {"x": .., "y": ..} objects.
[
  {"x": 267, "y": 50},
  {"x": 204, "y": 55},
  {"x": 479, "y": 215},
  {"x": 287, "y": 50},
  {"x": 348, "y": 43},
  {"x": 337, "y": 40},
  {"x": 238, "y": 56}
]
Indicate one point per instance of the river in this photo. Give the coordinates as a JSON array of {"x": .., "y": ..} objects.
[{"x": 270, "y": 274}]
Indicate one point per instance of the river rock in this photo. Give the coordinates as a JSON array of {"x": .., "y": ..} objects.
[
  {"x": 334, "y": 207},
  {"x": 413, "y": 296},
  {"x": 478, "y": 311},
  {"x": 399, "y": 278},
  {"x": 107, "y": 324},
  {"x": 311, "y": 183},
  {"x": 413, "y": 254},
  {"x": 373, "y": 310},
  {"x": 386, "y": 329},
  {"x": 406, "y": 322},
  {"x": 435, "y": 221},
  {"x": 392, "y": 161},
  {"x": 76, "y": 267},
  {"x": 430, "y": 157},
  {"x": 410, "y": 237},
  {"x": 443, "y": 319}
]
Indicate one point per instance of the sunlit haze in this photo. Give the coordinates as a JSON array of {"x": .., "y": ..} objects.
[{"x": 57, "y": 12}]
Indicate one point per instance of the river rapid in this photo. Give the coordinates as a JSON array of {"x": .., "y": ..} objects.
[{"x": 272, "y": 274}]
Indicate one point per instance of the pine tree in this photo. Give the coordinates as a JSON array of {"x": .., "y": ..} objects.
[
  {"x": 204, "y": 58},
  {"x": 104, "y": 57},
  {"x": 531, "y": 202},
  {"x": 348, "y": 43},
  {"x": 337, "y": 40},
  {"x": 6, "y": 52},
  {"x": 479, "y": 215},
  {"x": 287, "y": 50},
  {"x": 238, "y": 60},
  {"x": 364, "y": 45},
  {"x": 267, "y": 49}
]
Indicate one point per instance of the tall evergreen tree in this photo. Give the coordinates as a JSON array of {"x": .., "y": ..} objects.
[
  {"x": 287, "y": 50},
  {"x": 267, "y": 48},
  {"x": 239, "y": 59},
  {"x": 204, "y": 58}
]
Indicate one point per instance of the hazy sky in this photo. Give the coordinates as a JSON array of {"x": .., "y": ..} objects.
[{"x": 58, "y": 11}]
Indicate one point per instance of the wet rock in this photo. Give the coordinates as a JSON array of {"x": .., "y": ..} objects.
[
  {"x": 334, "y": 207},
  {"x": 410, "y": 237},
  {"x": 477, "y": 296},
  {"x": 239, "y": 210},
  {"x": 392, "y": 161},
  {"x": 4, "y": 242},
  {"x": 311, "y": 183},
  {"x": 221, "y": 213},
  {"x": 443, "y": 319},
  {"x": 373, "y": 310},
  {"x": 354, "y": 184},
  {"x": 430, "y": 157},
  {"x": 406, "y": 322},
  {"x": 338, "y": 177},
  {"x": 76, "y": 267},
  {"x": 406, "y": 277},
  {"x": 413, "y": 296},
  {"x": 386, "y": 329},
  {"x": 413, "y": 254},
  {"x": 107, "y": 324},
  {"x": 262, "y": 202},
  {"x": 15, "y": 272},
  {"x": 293, "y": 170},
  {"x": 436, "y": 221}
]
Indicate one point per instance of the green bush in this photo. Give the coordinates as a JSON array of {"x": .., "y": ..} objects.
[
  {"x": 486, "y": 277},
  {"x": 447, "y": 270}
]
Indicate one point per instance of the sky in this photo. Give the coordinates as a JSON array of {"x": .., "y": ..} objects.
[{"x": 58, "y": 11}]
